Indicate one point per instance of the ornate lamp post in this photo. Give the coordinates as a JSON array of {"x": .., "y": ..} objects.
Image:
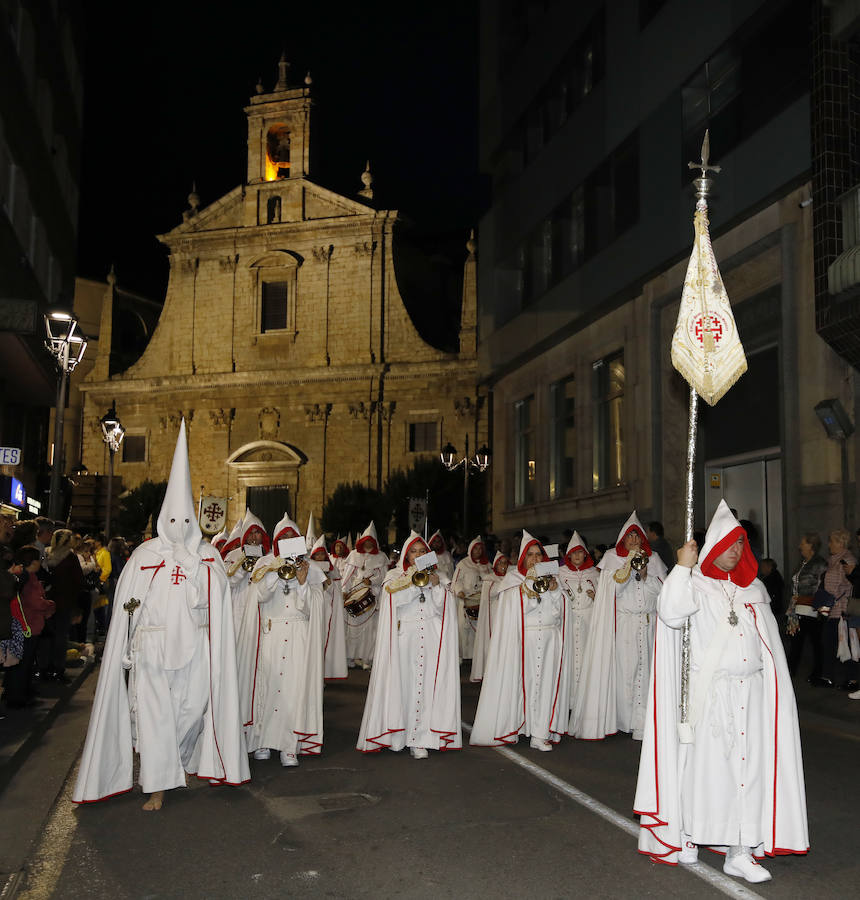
[
  {"x": 480, "y": 462},
  {"x": 67, "y": 344},
  {"x": 112, "y": 435}
]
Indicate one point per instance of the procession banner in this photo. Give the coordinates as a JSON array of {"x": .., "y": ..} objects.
[{"x": 213, "y": 514}]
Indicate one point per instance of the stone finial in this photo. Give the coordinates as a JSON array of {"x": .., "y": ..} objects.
[
  {"x": 283, "y": 73},
  {"x": 259, "y": 88},
  {"x": 308, "y": 80},
  {"x": 471, "y": 244},
  {"x": 111, "y": 276},
  {"x": 367, "y": 181},
  {"x": 194, "y": 198}
]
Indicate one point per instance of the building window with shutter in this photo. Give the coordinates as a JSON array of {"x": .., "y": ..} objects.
[
  {"x": 275, "y": 299},
  {"x": 423, "y": 437},
  {"x": 134, "y": 448},
  {"x": 525, "y": 470},
  {"x": 562, "y": 451},
  {"x": 608, "y": 404}
]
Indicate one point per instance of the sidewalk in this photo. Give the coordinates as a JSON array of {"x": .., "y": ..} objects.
[{"x": 22, "y": 729}]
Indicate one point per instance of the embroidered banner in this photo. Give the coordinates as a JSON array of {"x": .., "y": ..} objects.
[{"x": 706, "y": 346}]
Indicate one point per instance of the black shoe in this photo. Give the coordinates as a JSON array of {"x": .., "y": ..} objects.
[
  {"x": 821, "y": 681},
  {"x": 62, "y": 678},
  {"x": 849, "y": 686}
]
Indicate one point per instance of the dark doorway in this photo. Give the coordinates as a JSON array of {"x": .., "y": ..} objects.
[{"x": 269, "y": 503}]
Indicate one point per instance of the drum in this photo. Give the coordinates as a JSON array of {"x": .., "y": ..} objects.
[
  {"x": 359, "y": 600},
  {"x": 472, "y": 606}
]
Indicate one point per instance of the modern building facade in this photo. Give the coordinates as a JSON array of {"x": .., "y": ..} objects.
[
  {"x": 41, "y": 106},
  {"x": 289, "y": 338},
  {"x": 590, "y": 113}
]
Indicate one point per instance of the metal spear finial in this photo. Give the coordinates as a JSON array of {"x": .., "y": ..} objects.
[{"x": 703, "y": 183}]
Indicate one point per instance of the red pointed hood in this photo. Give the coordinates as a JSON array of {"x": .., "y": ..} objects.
[
  {"x": 413, "y": 538},
  {"x": 526, "y": 542},
  {"x": 576, "y": 543},
  {"x": 632, "y": 524},
  {"x": 723, "y": 531}
]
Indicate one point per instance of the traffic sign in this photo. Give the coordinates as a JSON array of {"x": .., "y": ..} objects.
[{"x": 10, "y": 456}]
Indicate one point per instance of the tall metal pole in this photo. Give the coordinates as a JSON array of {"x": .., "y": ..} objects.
[
  {"x": 466, "y": 493},
  {"x": 59, "y": 415},
  {"x": 109, "y": 492}
]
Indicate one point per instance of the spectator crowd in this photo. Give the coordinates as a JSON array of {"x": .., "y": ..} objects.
[{"x": 56, "y": 589}]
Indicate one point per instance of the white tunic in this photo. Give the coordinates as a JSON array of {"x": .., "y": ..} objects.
[
  {"x": 580, "y": 588},
  {"x": 413, "y": 699},
  {"x": 635, "y": 621},
  {"x": 742, "y": 777},
  {"x": 282, "y": 696},
  {"x": 179, "y": 709},
  {"x": 526, "y": 680}
]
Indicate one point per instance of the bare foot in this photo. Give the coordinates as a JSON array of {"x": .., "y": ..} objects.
[{"x": 155, "y": 800}]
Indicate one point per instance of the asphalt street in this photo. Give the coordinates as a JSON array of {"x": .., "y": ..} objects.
[{"x": 473, "y": 823}]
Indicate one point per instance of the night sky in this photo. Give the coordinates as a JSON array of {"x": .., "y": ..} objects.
[{"x": 165, "y": 91}]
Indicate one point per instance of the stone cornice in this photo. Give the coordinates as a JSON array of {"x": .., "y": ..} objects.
[{"x": 259, "y": 381}]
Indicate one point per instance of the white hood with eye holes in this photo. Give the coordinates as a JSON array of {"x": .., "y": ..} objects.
[{"x": 177, "y": 520}]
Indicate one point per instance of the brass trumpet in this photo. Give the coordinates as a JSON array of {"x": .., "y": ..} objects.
[
  {"x": 249, "y": 562},
  {"x": 421, "y": 577},
  {"x": 289, "y": 569},
  {"x": 541, "y": 583},
  {"x": 639, "y": 562}
]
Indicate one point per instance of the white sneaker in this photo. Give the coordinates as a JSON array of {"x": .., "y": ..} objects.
[
  {"x": 288, "y": 759},
  {"x": 366, "y": 666},
  {"x": 854, "y": 695},
  {"x": 262, "y": 754},
  {"x": 744, "y": 866},
  {"x": 418, "y": 752},
  {"x": 540, "y": 744},
  {"x": 689, "y": 853}
]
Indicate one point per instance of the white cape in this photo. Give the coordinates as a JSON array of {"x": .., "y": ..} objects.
[
  {"x": 219, "y": 753},
  {"x": 782, "y": 817},
  {"x": 383, "y": 724},
  {"x": 501, "y": 715}
]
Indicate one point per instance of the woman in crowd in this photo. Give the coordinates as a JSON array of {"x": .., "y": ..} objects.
[
  {"x": 31, "y": 612},
  {"x": 837, "y": 584},
  {"x": 413, "y": 699},
  {"x": 803, "y": 624},
  {"x": 90, "y": 570},
  {"x": 67, "y": 582}
]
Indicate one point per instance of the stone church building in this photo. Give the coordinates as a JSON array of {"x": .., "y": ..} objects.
[{"x": 287, "y": 340}]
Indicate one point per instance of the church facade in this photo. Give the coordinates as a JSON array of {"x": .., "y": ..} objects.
[{"x": 286, "y": 341}]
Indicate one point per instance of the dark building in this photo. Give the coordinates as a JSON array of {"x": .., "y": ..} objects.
[
  {"x": 590, "y": 112},
  {"x": 41, "y": 107}
]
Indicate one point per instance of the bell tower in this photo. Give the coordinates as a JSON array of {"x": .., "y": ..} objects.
[{"x": 279, "y": 125}]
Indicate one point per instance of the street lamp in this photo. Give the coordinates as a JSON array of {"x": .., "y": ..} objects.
[
  {"x": 112, "y": 435},
  {"x": 67, "y": 344},
  {"x": 480, "y": 462}
]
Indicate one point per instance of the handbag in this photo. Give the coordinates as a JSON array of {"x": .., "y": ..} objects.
[{"x": 823, "y": 598}]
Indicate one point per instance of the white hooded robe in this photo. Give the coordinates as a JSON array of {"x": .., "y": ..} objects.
[
  {"x": 180, "y": 709},
  {"x": 526, "y": 680},
  {"x": 413, "y": 698},
  {"x": 740, "y": 781}
]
